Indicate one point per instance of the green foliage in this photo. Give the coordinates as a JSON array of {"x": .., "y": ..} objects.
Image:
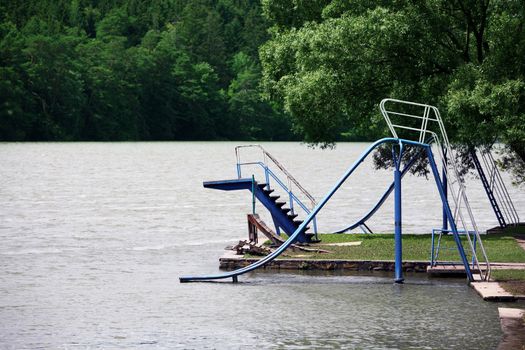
[
  {"x": 330, "y": 62},
  {"x": 180, "y": 69},
  {"x": 133, "y": 70},
  {"x": 293, "y": 13},
  {"x": 252, "y": 114},
  {"x": 111, "y": 91},
  {"x": 508, "y": 275}
]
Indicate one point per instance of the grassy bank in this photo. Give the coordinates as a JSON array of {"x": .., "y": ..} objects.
[
  {"x": 513, "y": 281},
  {"x": 500, "y": 248}
]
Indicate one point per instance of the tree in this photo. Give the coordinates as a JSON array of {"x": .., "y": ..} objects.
[
  {"x": 40, "y": 78},
  {"x": 111, "y": 91},
  {"x": 330, "y": 62},
  {"x": 15, "y": 121},
  {"x": 251, "y": 116},
  {"x": 200, "y": 33},
  {"x": 133, "y": 69}
]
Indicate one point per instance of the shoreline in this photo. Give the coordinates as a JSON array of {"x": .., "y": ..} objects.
[
  {"x": 232, "y": 261},
  {"x": 488, "y": 291}
]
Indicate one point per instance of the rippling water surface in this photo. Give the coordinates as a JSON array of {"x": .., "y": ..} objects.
[{"x": 95, "y": 235}]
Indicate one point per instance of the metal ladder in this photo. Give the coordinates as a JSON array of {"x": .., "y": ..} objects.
[
  {"x": 421, "y": 122},
  {"x": 288, "y": 187},
  {"x": 495, "y": 188}
]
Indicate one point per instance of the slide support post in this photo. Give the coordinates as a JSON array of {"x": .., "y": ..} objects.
[
  {"x": 397, "y": 214},
  {"x": 445, "y": 190}
]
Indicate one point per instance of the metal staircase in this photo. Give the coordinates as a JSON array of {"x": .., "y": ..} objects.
[
  {"x": 495, "y": 188},
  {"x": 419, "y": 122},
  {"x": 282, "y": 217},
  {"x": 277, "y": 196},
  {"x": 290, "y": 187}
]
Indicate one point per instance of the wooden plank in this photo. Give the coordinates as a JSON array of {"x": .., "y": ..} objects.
[{"x": 256, "y": 221}]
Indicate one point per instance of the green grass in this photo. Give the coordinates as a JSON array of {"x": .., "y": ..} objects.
[
  {"x": 500, "y": 248},
  {"x": 503, "y": 248},
  {"x": 508, "y": 275},
  {"x": 514, "y": 287},
  {"x": 513, "y": 281}
]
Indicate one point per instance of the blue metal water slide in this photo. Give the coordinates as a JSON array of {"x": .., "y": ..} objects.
[
  {"x": 381, "y": 200},
  {"x": 234, "y": 274}
]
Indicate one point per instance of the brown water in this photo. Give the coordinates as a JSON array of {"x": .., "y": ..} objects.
[{"x": 95, "y": 235}]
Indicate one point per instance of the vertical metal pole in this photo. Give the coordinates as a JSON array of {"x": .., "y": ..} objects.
[
  {"x": 267, "y": 176},
  {"x": 397, "y": 220},
  {"x": 397, "y": 217},
  {"x": 432, "y": 249},
  {"x": 474, "y": 253},
  {"x": 253, "y": 194},
  {"x": 445, "y": 190}
]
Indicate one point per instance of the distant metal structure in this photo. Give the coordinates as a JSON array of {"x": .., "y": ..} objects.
[
  {"x": 412, "y": 125},
  {"x": 495, "y": 188}
]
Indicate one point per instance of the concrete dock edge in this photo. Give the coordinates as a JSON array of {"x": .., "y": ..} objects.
[
  {"x": 513, "y": 328},
  {"x": 492, "y": 291}
]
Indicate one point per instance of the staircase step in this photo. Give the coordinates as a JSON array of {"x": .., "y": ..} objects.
[
  {"x": 292, "y": 216},
  {"x": 297, "y": 222},
  {"x": 267, "y": 192},
  {"x": 274, "y": 198},
  {"x": 280, "y": 204},
  {"x": 286, "y": 210}
]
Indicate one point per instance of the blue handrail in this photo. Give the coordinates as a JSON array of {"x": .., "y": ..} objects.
[
  {"x": 269, "y": 173},
  {"x": 434, "y": 251}
]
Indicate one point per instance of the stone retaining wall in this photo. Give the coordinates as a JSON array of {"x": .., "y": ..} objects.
[{"x": 232, "y": 263}]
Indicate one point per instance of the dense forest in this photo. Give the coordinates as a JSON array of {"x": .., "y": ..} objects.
[
  {"x": 313, "y": 70},
  {"x": 134, "y": 70}
]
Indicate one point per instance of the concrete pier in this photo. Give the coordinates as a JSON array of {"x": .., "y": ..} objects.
[
  {"x": 513, "y": 328},
  {"x": 492, "y": 291}
]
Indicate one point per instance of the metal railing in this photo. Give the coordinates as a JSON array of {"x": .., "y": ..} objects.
[
  {"x": 497, "y": 186},
  {"x": 435, "y": 249},
  {"x": 290, "y": 180},
  {"x": 450, "y": 168}
]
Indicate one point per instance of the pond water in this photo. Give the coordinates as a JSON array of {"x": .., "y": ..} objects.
[{"x": 95, "y": 235}]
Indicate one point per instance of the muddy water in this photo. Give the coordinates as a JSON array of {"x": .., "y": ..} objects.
[{"x": 95, "y": 235}]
